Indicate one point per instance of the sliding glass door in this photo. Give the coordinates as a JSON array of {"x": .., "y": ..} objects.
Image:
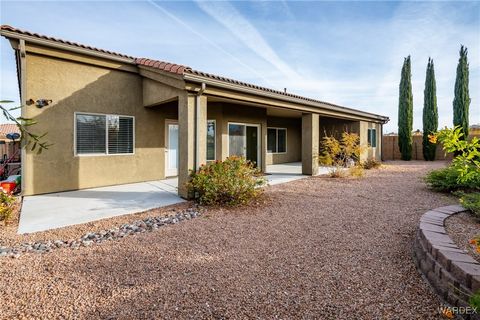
[{"x": 243, "y": 141}]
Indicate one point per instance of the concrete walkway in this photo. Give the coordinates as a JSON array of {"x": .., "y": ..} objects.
[
  {"x": 286, "y": 172},
  {"x": 56, "y": 210}
]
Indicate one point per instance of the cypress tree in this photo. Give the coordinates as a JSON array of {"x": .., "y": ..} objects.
[
  {"x": 405, "y": 112},
  {"x": 461, "y": 102},
  {"x": 430, "y": 112}
]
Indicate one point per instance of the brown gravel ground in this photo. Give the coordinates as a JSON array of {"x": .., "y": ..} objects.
[
  {"x": 321, "y": 249},
  {"x": 462, "y": 228},
  {"x": 9, "y": 236}
]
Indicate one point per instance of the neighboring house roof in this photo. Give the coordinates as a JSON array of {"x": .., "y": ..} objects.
[
  {"x": 185, "y": 70},
  {"x": 6, "y": 128}
]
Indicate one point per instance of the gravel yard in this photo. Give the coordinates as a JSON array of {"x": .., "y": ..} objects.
[
  {"x": 318, "y": 248},
  {"x": 462, "y": 228}
]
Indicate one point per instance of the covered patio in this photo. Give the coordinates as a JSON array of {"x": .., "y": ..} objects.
[{"x": 61, "y": 209}]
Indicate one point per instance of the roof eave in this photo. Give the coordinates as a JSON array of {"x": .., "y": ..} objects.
[
  {"x": 63, "y": 46},
  {"x": 258, "y": 92}
]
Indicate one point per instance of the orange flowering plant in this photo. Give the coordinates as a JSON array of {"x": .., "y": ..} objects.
[
  {"x": 466, "y": 162},
  {"x": 476, "y": 242}
]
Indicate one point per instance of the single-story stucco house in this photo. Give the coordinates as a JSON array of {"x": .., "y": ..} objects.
[{"x": 115, "y": 119}]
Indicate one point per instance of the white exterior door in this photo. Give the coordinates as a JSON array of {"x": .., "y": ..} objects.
[{"x": 171, "y": 149}]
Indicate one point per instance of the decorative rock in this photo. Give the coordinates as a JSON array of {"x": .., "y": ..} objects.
[
  {"x": 87, "y": 243},
  {"x": 147, "y": 224}
]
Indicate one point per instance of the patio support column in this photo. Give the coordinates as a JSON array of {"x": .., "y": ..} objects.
[
  {"x": 363, "y": 133},
  {"x": 192, "y": 138},
  {"x": 186, "y": 141},
  {"x": 310, "y": 141},
  {"x": 201, "y": 130}
]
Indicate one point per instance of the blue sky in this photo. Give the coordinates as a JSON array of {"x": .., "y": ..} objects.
[{"x": 349, "y": 53}]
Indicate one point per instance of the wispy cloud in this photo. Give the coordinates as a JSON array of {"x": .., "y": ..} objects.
[
  {"x": 240, "y": 27},
  {"x": 348, "y": 53},
  {"x": 201, "y": 35}
]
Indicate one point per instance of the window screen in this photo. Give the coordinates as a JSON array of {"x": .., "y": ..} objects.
[
  {"x": 372, "y": 137},
  {"x": 282, "y": 140},
  {"x": 91, "y": 136},
  {"x": 272, "y": 140},
  {"x": 120, "y": 134},
  {"x": 276, "y": 140},
  {"x": 103, "y": 134},
  {"x": 211, "y": 140}
]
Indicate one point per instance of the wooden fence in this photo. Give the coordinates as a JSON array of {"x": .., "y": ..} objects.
[{"x": 391, "y": 151}]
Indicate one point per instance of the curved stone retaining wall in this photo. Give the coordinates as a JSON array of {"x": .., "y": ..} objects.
[{"x": 453, "y": 273}]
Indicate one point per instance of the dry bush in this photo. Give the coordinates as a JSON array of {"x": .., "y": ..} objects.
[{"x": 356, "y": 171}]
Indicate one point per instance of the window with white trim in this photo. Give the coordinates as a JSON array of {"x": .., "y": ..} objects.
[
  {"x": 276, "y": 140},
  {"x": 211, "y": 140},
  {"x": 372, "y": 138},
  {"x": 103, "y": 134}
]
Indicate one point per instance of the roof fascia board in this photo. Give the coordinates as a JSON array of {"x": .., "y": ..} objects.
[
  {"x": 63, "y": 46},
  {"x": 55, "y": 53},
  {"x": 265, "y": 103},
  {"x": 323, "y": 113},
  {"x": 311, "y": 106}
]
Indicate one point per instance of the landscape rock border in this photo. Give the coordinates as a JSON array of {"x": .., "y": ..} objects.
[
  {"x": 139, "y": 226},
  {"x": 452, "y": 272}
]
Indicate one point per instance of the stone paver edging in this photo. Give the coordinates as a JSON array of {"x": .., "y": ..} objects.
[{"x": 452, "y": 272}]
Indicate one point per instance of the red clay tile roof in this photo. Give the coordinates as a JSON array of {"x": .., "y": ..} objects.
[
  {"x": 6, "y": 128},
  {"x": 162, "y": 65},
  {"x": 253, "y": 86},
  {"x": 28, "y": 33},
  {"x": 177, "y": 69}
]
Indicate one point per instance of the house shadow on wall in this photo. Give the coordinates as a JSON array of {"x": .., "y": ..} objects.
[{"x": 119, "y": 93}]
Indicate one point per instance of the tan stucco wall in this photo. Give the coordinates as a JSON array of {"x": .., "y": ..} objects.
[
  {"x": 294, "y": 140},
  {"x": 331, "y": 126},
  {"x": 81, "y": 87},
  {"x": 369, "y": 152}
]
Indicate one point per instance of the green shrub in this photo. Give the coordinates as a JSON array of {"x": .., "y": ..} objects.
[
  {"x": 6, "y": 206},
  {"x": 475, "y": 300},
  {"x": 467, "y": 154},
  {"x": 447, "y": 180},
  {"x": 371, "y": 164},
  {"x": 471, "y": 201},
  {"x": 232, "y": 182}
]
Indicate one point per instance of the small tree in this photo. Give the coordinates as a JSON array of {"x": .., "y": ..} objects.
[
  {"x": 339, "y": 153},
  {"x": 461, "y": 102},
  {"x": 28, "y": 138},
  {"x": 405, "y": 112},
  {"x": 430, "y": 112}
]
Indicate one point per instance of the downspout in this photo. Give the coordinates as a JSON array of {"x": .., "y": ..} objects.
[
  {"x": 197, "y": 124},
  {"x": 22, "y": 65}
]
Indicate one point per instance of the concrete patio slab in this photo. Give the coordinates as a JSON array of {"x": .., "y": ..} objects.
[
  {"x": 286, "y": 172},
  {"x": 56, "y": 210}
]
